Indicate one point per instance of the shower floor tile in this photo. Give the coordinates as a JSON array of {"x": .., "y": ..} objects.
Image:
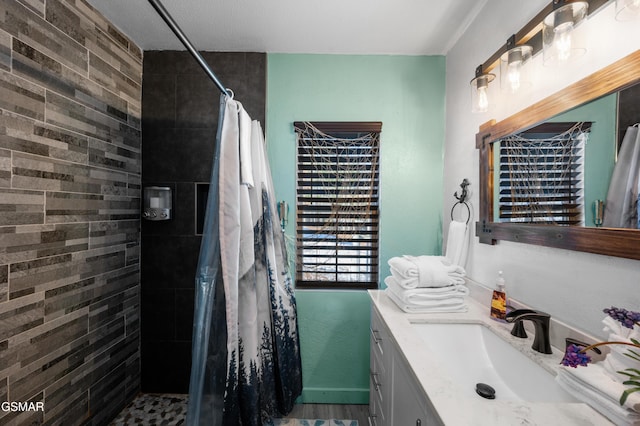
[{"x": 154, "y": 410}]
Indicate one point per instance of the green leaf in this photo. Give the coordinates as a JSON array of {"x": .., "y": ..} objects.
[
  {"x": 635, "y": 342},
  {"x": 633, "y": 355},
  {"x": 626, "y": 393},
  {"x": 631, "y": 383},
  {"x": 631, "y": 372}
]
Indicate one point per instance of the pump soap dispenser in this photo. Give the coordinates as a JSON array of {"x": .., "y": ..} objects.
[{"x": 499, "y": 300}]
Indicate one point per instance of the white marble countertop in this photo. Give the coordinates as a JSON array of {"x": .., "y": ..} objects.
[{"x": 453, "y": 407}]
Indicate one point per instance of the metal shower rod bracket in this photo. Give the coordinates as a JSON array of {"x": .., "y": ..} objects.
[{"x": 185, "y": 41}]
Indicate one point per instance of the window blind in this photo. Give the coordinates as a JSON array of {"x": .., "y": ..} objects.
[
  {"x": 542, "y": 176},
  {"x": 337, "y": 204}
]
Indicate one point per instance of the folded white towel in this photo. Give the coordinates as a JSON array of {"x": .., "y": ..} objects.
[
  {"x": 457, "y": 243},
  {"x": 613, "y": 326},
  {"x": 425, "y": 271},
  {"x": 618, "y": 415},
  {"x": 425, "y": 296},
  {"x": 592, "y": 385},
  {"x": 437, "y": 306},
  {"x": 617, "y": 360}
]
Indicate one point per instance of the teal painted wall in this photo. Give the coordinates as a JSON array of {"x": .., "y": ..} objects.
[{"x": 406, "y": 93}]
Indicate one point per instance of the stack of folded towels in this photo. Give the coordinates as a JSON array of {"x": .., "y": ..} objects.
[
  {"x": 420, "y": 284},
  {"x": 600, "y": 384},
  {"x": 592, "y": 385}
]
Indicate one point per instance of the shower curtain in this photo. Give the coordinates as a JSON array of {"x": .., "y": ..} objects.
[
  {"x": 623, "y": 202},
  {"x": 246, "y": 364}
]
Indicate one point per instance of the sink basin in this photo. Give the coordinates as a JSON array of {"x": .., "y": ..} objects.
[{"x": 472, "y": 353}]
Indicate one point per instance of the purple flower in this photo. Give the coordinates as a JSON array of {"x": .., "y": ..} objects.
[
  {"x": 573, "y": 357},
  {"x": 624, "y": 317}
]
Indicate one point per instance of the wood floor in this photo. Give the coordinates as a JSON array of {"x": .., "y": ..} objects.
[{"x": 331, "y": 411}]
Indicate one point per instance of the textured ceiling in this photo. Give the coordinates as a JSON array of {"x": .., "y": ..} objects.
[{"x": 403, "y": 27}]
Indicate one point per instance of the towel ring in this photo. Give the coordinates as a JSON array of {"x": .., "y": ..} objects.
[{"x": 468, "y": 210}]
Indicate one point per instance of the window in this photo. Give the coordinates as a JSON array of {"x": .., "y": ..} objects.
[
  {"x": 337, "y": 204},
  {"x": 541, "y": 177}
]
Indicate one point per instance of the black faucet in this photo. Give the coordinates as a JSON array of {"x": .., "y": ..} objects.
[{"x": 541, "y": 342}]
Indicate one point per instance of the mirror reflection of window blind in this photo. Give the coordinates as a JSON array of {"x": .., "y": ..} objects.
[
  {"x": 541, "y": 176},
  {"x": 337, "y": 205}
]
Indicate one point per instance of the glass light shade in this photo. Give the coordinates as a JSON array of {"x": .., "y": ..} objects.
[
  {"x": 514, "y": 73},
  {"x": 626, "y": 10},
  {"x": 480, "y": 92},
  {"x": 557, "y": 33}
]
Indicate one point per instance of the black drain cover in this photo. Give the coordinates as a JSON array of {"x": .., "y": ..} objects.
[{"x": 485, "y": 391}]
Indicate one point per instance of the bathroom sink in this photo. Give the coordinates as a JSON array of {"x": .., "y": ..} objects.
[{"x": 472, "y": 354}]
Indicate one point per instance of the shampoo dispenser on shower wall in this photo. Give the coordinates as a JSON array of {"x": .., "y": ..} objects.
[
  {"x": 157, "y": 203},
  {"x": 499, "y": 300}
]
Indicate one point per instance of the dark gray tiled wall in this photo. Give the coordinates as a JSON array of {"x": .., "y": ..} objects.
[
  {"x": 179, "y": 122},
  {"x": 70, "y": 165}
]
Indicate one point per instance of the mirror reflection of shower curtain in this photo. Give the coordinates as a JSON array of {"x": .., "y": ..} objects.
[
  {"x": 246, "y": 365},
  {"x": 621, "y": 208}
]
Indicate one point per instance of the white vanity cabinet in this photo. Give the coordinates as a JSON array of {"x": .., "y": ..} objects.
[{"x": 395, "y": 397}]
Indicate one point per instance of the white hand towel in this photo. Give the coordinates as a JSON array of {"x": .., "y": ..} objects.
[
  {"x": 457, "y": 243},
  {"x": 591, "y": 385},
  {"x": 431, "y": 271},
  {"x": 440, "y": 306}
]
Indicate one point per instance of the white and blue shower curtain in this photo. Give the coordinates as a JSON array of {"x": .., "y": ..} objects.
[{"x": 246, "y": 364}]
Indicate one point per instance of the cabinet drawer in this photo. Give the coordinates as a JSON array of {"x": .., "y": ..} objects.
[
  {"x": 377, "y": 357},
  {"x": 377, "y": 412},
  {"x": 379, "y": 336}
]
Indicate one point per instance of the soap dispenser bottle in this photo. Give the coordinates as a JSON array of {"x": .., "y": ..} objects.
[{"x": 499, "y": 300}]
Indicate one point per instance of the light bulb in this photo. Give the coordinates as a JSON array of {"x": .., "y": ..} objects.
[
  {"x": 483, "y": 99},
  {"x": 513, "y": 75},
  {"x": 480, "y": 92},
  {"x": 557, "y": 28},
  {"x": 513, "y": 68},
  {"x": 514, "y": 65},
  {"x": 562, "y": 40}
]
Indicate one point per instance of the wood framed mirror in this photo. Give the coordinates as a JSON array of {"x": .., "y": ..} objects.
[{"x": 619, "y": 242}]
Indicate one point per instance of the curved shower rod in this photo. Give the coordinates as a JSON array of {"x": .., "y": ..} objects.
[{"x": 164, "y": 14}]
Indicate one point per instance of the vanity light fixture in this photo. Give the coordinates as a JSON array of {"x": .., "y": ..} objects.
[
  {"x": 550, "y": 31},
  {"x": 557, "y": 31},
  {"x": 627, "y": 10},
  {"x": 513, "y": 70},
  {"x": 480, "y": 91}
]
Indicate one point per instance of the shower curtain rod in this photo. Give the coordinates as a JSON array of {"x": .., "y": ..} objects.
[{"x": 185, "y": 41}]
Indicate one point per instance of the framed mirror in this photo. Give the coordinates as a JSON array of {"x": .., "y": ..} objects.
[{"x": 571, "y": 234}]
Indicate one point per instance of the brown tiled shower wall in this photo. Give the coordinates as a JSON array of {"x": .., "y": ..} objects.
[{"x": 70, "y": 164}]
